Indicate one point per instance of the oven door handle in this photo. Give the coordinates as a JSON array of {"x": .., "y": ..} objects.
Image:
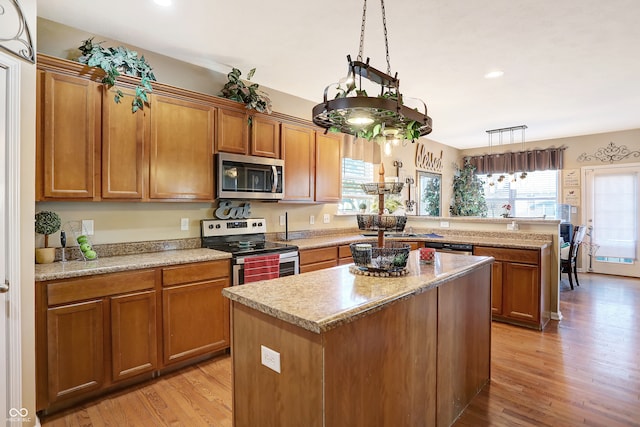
[{"x": 274, "y": 187}]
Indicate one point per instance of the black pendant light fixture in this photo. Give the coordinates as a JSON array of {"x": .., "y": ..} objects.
[{"x": 382, "y": 117}]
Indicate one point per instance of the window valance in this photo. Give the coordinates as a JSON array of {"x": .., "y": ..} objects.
[
  {"x": 361, "y": 149},
  {"x": 521, "y": 161}
]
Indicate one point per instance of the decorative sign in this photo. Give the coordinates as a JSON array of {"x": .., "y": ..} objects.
[
  {"x": 427, "y": 160},
  {"x": 572, "y": 196},
  {"x": 570, "y": 178},
  {"x": 226, "y": 210},
  {"x": 611, "y": 153}
]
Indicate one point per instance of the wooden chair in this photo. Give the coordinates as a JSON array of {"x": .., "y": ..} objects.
[{"x": 569, "y": 265}]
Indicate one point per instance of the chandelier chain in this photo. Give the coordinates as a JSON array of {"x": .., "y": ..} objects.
[
  {"x": 384, "y": 26},
  {"x": 364, "y": 20}
]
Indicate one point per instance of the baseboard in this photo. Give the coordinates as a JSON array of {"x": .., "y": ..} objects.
[{"x": 556, "y": 315}]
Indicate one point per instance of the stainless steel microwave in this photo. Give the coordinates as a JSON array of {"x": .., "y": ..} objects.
[{"x": 249, "y": 177}]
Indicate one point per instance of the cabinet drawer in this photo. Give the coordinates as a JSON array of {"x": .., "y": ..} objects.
[
  {"x": 194, "y": 272},
  {"x": 318, "y": 266},
  {"x": 311, "y": 256},
  {"x": 99, "y": 286},
  {"x": 344, "y": 251},
  {"x": 527, "y": 256}
]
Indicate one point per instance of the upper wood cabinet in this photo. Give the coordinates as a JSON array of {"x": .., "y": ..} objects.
[
  {"x": 241, "y": 133},
  {"x": 298, "y": 152},
  {"x": 328, "y": 167},
  {"x": 233, "y": 131},
  {"x": 181, "y": 149},
  {"x": 69, "y": 135},
  {"x": 125, "y": 138},
  {"x": 265, "y": 137}
]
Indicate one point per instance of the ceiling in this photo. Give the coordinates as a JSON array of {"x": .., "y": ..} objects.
[{"x": 571, "y": 67}]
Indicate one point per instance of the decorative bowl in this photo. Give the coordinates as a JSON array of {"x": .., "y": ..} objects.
[
  {"x": 381, "y": 222},
  {"x": 393, "y": 257}
]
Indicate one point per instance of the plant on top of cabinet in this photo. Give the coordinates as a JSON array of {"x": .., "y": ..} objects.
[
  {"x": 468, "y": 193},
  {"x": 236, "y": 90},
  {"x": 115, "y": 62}
]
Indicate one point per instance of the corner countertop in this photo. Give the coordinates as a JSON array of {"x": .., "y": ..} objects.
[
  {"x": 113, "y": 264},
  {"x": 322, "y": 300}
]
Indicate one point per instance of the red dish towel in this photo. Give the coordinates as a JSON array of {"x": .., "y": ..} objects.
[{"x": 262, "y": 267}]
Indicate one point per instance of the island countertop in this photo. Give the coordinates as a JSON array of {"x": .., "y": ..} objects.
[{"x": 322, "y": 300}]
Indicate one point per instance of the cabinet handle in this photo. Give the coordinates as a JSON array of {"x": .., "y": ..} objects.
[
  {"x": 274, "y": 187},
  {"x": 4, "y": 287}
]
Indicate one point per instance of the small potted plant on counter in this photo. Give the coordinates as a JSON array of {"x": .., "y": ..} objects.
[
  {"x": 363, "y": 207},
  {"x": 47, "y": 223}
]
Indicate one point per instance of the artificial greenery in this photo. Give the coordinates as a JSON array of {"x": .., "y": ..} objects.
[
  {"x": 115, "y": 62},
  {"x": 236, "y": 90},
  {"x": 47, "y": 223},
  {"x": 468, "y": 193}
]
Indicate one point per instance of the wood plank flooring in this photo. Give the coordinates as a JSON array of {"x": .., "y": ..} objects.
[{"x": 582, "y": 371}]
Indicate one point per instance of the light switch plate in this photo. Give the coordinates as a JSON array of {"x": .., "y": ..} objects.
[
  {"x": 444, "y": 224},
  {"x": 282, "y": 220},
  {"x": 87, "y": 226},
  {"x": 184, "y": 224},
  {"x": 312, "y": 219},
  {"x": 270, "y": 358},
  {"x": 326, "y": 218}
]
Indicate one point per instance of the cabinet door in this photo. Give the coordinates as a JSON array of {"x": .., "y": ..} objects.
[
  {"x": 233, "y": 131},
  {"x": 195, "y": 320},
  {"x": 75, "y": 339},
  {"x": 496, "y": 287},
  {"x": 181, "y": 149},
  {"x": 328, "y": 167},
  {"x": 71, "y": 134},
  {"x": 123, "y": 144},
  {"x": 298, "y": 152},
  {"x": 521, "y": 292},
  {"x": 265, "y": 137},
  {"x": 133, "y": 334}
]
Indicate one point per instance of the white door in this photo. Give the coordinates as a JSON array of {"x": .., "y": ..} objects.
[{"x": 612, "y": 209}]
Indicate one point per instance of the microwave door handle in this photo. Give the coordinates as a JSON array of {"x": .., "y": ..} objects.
[{"x": 274, "y": 187}]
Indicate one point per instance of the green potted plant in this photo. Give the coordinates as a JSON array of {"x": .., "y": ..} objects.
[
  {"x": 251, "y": 96},
  {"x": 46, "y": 223},
  {"x": 363, "y": 207},
  {"x": 468, "y": 193},
  {"x": 115, "y": 62}
]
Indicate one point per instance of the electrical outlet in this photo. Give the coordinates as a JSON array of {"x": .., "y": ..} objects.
[
  {"x": 87, "y": 226},
  {"x": 270, "y": 358},
  {"x": 312, "y": 220},
  {"x": 282, "y": 220},
  {"x": 184, "y": 224},
  {"x": 326, "y": 218},
  {"x": 444, "y": 224}
]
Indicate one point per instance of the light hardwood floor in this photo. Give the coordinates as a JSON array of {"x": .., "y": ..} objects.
[{"x": 584, "y": 370}]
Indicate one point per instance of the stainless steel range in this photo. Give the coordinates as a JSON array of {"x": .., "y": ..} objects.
[{"x": 243, "y": 239}]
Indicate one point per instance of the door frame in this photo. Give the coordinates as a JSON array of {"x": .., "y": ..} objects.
[
  {"x": 11, "y": 158},
  {"x": 587, "y": 202}
]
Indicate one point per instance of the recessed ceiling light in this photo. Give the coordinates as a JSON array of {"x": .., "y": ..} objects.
[
  {"x": 494, "y": 74},
  {"x": 164, "y": 3}
]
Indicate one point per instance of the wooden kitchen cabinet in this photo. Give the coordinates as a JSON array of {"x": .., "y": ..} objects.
[
  {"x": 265, "y": 137},
  {"x": 233, "y": 131},
  {"x": 195, "y": 314},
  {"x": 328, "y": 172},
  {"x": 318, "y": 259},
  {"x": 298, "y": 152},
  {"x": 125, "y": 139},
  {"x": 181, "y": 149},
  {"x": 520, "y": 285},
  {"x": 68, "y": 136},
  {"x": 344, "y": 255},
  {"x": 91, "y": 333}
]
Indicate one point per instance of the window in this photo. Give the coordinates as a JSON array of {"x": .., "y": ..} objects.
[
  {"x": 354, "y": 173},
  {"x": 532, "y": 197}
]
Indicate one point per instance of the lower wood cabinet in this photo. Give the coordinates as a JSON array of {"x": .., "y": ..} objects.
[
  {"x": 318, "y": 259},
  {"x": 195, "y": 315},
  {"x": 520, "y": 285},
  {"x": 102, "y": 332},
  {"x": 344, "y": 255}
]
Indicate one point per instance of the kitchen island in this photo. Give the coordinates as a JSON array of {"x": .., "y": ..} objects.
[{"x": 353, "y": 350}]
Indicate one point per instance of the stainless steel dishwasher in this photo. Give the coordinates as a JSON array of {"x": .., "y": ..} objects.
[{"x": 457, "y": 248}]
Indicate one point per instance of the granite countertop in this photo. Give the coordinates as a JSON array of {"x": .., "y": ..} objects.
[
  {"x": 321, "y": 300},
  {"x": 112, "y": 264},
  {"x": 523, "y": 241}
]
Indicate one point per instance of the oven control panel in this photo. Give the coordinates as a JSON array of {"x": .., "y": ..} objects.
[{"x": 227, "y": 227}]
